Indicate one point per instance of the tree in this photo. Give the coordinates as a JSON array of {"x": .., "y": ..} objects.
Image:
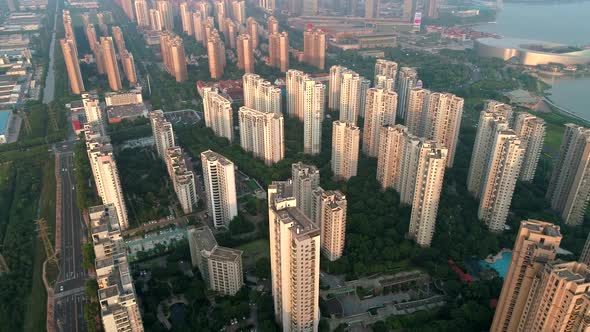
[{"x": 263, "y": 268}]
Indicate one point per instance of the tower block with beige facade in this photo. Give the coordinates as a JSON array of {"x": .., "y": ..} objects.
[
  {"x": 314, "y": 48},
  {"x": 380, "y": 108},
  {"x": 490, "y": 122},
  {"x": 559, "y": 299},
  {"x": 536, "y": 244},
  {"x": 216, "y": 55},
  {"x": 278, "y": 50},
  {"x": 183, "y": 178},
  {"x": 444, "y": 121},
  {"x": 385, "y": 74},
  {"x": 261, "y": 95},
  {"x": 129, "y": 67},
  {"x": 500, "y": 178},
  {"x": 568, "y": 190},
  {"x": 163, "y": 133},
  {"x": 306, "y": 179},
  {"x": 245, "y": 53},
  {"x": 294, "y": 261},
  {"x": 429, "y": 182},
  {"x": 531, "y": 130},
  {"x": 220, "y": 267},
  {"x": 329, "y": 214},
  {"x": 110, "y": 62},
  {"x": 173, "y": 56},
  {"x": 68, "y": 47},
  {"x": 220, "y": 187},
  {"x": 345, "y": 149},
  {"x": 218, "y": 113},
  {"x": 262, "y": 134},
  {"x": 313, "y": 98}
]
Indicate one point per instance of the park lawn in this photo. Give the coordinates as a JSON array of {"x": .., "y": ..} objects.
[
  {"x": 255, "y": 250},
  {"x": 553, "y": 135},
  {"x": 35, "y": 319}
]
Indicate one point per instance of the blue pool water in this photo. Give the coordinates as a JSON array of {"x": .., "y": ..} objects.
[{"x": 501, "y": 265}]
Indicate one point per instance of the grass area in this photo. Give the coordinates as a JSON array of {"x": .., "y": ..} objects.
[
  {"x": 255, "y": 250},
  {"x": 36, "y": 311},
  {"x": 144, "y": 179}
]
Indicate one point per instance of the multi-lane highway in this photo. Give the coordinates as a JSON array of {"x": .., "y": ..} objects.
[{"x": 69, "y": 290}]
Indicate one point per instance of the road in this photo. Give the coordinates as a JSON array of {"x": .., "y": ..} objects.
[
  {"x": 69, "y": 290},
  {"x": 49, "y": 89}
]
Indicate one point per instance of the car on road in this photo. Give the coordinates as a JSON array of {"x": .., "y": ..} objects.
[{"x": 61, "y": 288}]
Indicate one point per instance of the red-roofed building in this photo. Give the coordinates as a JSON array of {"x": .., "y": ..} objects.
[{"x": 465, "y": 278}]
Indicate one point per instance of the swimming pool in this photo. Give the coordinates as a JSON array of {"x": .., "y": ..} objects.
[{"x": 500, "y": 265}]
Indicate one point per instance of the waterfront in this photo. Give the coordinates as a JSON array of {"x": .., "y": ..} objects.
[{"x": 569, "y": 25}]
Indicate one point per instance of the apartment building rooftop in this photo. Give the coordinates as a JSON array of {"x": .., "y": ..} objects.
[
  {"x": 214, "y": 156},
  {"x": 205, "y": 240}
]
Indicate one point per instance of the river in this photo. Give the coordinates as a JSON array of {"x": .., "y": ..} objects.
[{"x": 565, "y": 23}]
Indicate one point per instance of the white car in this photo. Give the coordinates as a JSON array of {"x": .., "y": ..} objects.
[{"x": 61, "y": 288}]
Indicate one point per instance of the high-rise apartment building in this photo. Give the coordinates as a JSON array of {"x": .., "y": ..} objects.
[
  {"x": 220, "y": 267},
  {"x": 218, "y": 113},
  {"x": 443, "y": 121},
  {"x": 296, "y": 93},
  {"x": 314, "y": 48},
  {"x": 559, "y": 299},
  {"x": 261, "y": 95},
  {"x": 372, "y": 8},
  {"x": 167, "y": 14},
  {"x": 128, "y": 67},
  {"x": 92, "y": 109},
  {"x": 568, "y": 190},
  {"x": 220, "y": 14},
  {"x": 431, "y": 8},
  {"x": 380, "y": 108},
  {"x": 267, "y": 5},
  {"x": 490, "y": 123},
  {"x": 536, "y": 244},
  {"x": 119, "y": 309},
  {"x": 388, "y": 70},
  {"x": 273, "y": 25},
  {"x": 397, "y": 163},
  {"x": 110, "y": 62},
  {"x": 104, "y": 169},
  {"x": 183, "y": 178},
  {"x": 119, "y": 39},
  {"x": 314, "y": 95},
  {"x": 294, "y": 261},
  {"x": 173, "y": 56},
  {"x": 142, "y": 13},
  {"x": 68, "y": 47},
  {"x": 91, "y": 36},
  {"x": 68, "y": 26},
  {"x": 278, "y": 50},
  {"x": 198, "y": 26},
  {"x": 499, "y": 179},
  {"x": 127, "y": 7},
  {"x": 245, "y": 53},
  {"x": 345, "y": 149},
  {"x": 329, "y": 214},
  {"x": 429, "y": 182},
  {"x": 262, "y": 134},
  {"x": 306, "y": 179},
  {"x": 216, "y": 56},
  {"x": 220, "y": 187},
  {"x": 231, "y": 31},
  {"x": 350, "y": 96},
  {"x": 156, "y": 20},
  {"x": 186, "y": 19},
  {"x": 416, "y": 110},
  {"x": 163, "y": 133},
  {"x": 239, "y": 11},
  {"x": 335, "y": 84},
  {"x": 406, "y": 80},
  {"x": 531, "y": 130},
  {"x": 252, "y": 30}
]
